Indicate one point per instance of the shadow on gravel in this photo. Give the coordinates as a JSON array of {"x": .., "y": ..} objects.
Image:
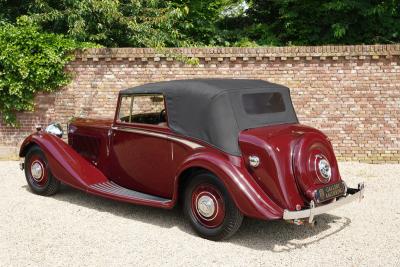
[
  {"x": 276, "y": 236},
  {"x": 156, "y": 216},
  {"x": 280, "y": 236}
]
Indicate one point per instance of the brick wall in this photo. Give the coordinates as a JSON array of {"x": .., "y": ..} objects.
[{"x": 352, "y": 93}]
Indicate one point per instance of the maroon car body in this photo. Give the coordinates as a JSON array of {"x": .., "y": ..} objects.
[{"x": 279, "y": 171}]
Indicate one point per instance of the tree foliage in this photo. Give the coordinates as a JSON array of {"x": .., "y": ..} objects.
[
  {"x": 201, "y": 23},
  {"x": 158, "y": 23},
  {"x": 30, "y": 62},
  {"x": 111, "y": 23},
  {"x": 119, "y": 23},
  {"x": 314, "y": 22}
]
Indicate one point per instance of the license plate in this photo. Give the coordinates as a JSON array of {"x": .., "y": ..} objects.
[{"x": 330, "y": 192}]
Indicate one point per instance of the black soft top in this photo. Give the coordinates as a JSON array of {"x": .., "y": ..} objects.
[{"x": 213, "y": 110}]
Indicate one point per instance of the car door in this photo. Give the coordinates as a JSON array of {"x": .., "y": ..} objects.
[{"x": 141, "y": 151}]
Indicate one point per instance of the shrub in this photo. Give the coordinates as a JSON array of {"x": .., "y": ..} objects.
[{"x": 30, "y": 62}]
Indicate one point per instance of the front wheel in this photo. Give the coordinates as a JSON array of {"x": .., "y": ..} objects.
[
  {"x": 210, "y": 209},
  {"x": 38, "y": 174}
]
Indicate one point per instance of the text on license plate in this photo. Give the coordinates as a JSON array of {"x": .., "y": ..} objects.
[{"x": 330, "y": 191}]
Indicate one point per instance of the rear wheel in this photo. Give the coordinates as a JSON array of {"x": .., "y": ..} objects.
[
  {"x": 209, "y": 208},
  {"x": 38, "y": 175}
]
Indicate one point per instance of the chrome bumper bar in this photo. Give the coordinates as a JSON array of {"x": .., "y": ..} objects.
[{"x": 351, "y": 195}]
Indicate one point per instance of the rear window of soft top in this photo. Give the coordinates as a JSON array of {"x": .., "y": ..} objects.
[{"x": 263, "y": 103}]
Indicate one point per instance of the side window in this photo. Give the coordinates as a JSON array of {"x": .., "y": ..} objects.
[
  {"x": 124, "y": 114},
  {"x": 147, "y": 109}
]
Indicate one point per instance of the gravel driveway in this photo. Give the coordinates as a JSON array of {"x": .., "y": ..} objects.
[{"x": 74, "y": 229}]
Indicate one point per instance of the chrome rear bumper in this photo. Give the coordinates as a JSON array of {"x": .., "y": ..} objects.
[{"x": 351, "y": 195}]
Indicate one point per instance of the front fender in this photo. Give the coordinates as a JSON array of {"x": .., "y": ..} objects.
[
  {"x": 65, "y": 163},
  {"x": 248, "y": 196}
]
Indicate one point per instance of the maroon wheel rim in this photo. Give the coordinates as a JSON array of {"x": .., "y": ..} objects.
[
  {"x": 38, "y": 174},
  {"x": 208, "y": 205}
]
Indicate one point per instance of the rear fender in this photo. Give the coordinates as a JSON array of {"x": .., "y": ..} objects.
[
  {"x": 250, "y": 199},
  {"x": 65, "y": 163}
]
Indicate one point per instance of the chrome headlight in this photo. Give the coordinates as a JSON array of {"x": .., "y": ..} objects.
[
  {"x": 324, "y": 171},
  {"x": 55, "y": 129}
]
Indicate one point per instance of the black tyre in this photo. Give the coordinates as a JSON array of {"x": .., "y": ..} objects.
[
  {"x": 210, "y": 209},
  {"x": 38, "y": 175}
]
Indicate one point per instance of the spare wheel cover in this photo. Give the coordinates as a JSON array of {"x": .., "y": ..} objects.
[{"x": 310, "y": 148}]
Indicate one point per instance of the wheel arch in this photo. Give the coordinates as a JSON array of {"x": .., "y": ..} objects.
[
  {"x": 249, "y": 198},
  {"x": 26, "y": 147}
]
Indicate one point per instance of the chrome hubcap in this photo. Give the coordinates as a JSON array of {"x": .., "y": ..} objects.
[
  {"x": 37, "y": 171},
  {"x": 206, "y": 206}
]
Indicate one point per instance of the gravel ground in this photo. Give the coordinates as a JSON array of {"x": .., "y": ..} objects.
[{"x": 74, "y": 229}]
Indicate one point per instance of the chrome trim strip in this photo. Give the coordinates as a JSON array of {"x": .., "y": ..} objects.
[
  {"x": 188, "y": 143},
  {"x": 311, "y": 212},
  {"x": 114, "y": 189}
]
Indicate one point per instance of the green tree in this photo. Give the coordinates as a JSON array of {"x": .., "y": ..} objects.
[
  {"x": 202, "y": 21},
  {"x": 313, "y": 22},
  {"x": 111, "y": 23},
  {"x": 138, "y": 23},
  {"x": 157, "y": 23}
]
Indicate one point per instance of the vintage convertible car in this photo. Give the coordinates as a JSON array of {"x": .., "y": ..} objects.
[{"x": 224, "y": 148}]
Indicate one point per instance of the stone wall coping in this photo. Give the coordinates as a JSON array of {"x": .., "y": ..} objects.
[{"x": 286, "y": 52}]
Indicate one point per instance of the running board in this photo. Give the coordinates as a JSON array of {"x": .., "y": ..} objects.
[{"x": 112, "y": 190}]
